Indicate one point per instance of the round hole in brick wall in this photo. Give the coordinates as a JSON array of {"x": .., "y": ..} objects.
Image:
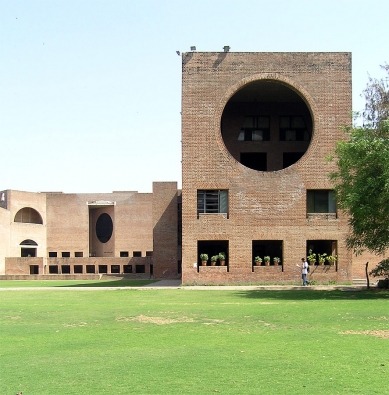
[{"x": 266, "y": 125}]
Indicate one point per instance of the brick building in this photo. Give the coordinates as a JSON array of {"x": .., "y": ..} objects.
[
  {"x": 256, "y": 128},
  {"x": 127, "y": 233}
]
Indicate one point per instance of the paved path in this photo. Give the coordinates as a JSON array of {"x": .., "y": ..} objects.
[{"x": 176, "y": 284}]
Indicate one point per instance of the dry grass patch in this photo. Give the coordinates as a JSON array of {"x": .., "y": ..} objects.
[
  {"x": 384, "y": 334},
  {"x": 154, "y": 320}
]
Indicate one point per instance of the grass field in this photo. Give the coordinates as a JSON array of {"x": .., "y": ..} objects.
[
  {"x": 73, "y": 283},
  {"x": 184, "y": 341}
]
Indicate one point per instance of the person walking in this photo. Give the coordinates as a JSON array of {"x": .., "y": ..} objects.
[{"x": 304, "y": 271}]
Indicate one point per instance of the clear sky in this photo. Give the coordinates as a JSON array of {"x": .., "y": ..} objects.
[{"x": 90, "y": 91}]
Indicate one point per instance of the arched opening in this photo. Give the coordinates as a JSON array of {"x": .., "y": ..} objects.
[
  {"x": 28, "y": 248},
  {"x": 28, "y": 215},
  {"x": 266, "y": 125}
]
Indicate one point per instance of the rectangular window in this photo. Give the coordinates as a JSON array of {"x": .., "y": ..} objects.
[
  {"x": 77, "y": 269},
  {"x": 66, "y": 255},
  {"x": 293, "y": 128},
  {"x": 127, "y": 269},
  {"x": 52, "y": 254},
  {"x": 53, "y": 269},
  {"x": 212, "y": 202},
  {"x": 137, "y": 254},
  {"x": 123, "y": 254},
  {"x": 115, "y": 269},
  {"x": 149, "y": 253},
  {"x": 321, "y": 201},
  {"x": 78, "y": 254},
  {"x": 255, "y": 129},
  {"x": 140, "y": 269}
]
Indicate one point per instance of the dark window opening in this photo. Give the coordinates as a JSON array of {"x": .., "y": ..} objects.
[
  {"x": 136, "y": 254},
  {"x": 90, "y": 269},
  {"x": 149, "y": 253},
  {"x": 52, "y": 254},
  {"x": 124, "y": 254},
  {"x": 77, "y": 269},
  {"x": 212, "y": 202},
  {"x": 115, "y": 269},
  {"x": 293, "y": 128},
  {"x": 212, "y": 248},
  {"x": 78, "y": 254},
  {"x": 270, "y": 248},
  {"x": 140, "y": 269},
  {"x": 151, "y": 270},
  {"x": 53, "y": 269},
  {"x": 65, "y": 254},
  {"x": 179, "y": 267},
  {"x": 34, "y": 269},
  {"x": 103, "y": 269},
  {"x": 104, "y": 227},
  {"x": 321, "y": 201},
  {"x": 28, "y": 242},
  {"x": 254, "y": 160},
  {"x": 255, "y": 129},
  {"x": 328, "y": 247},
  {"x": 65, "y": 269},
  {"x": 127, "y": 269},
  {"x": 28, "y": 252},
  {"x": 290, "y": 158}
]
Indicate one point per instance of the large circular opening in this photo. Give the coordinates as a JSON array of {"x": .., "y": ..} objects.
[{"x": 266, "y": 126}]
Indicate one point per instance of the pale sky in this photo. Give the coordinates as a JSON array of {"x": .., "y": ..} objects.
[{"x": 90, "y": 91}]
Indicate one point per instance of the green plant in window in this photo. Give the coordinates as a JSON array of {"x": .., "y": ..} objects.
[
  {"x": 214, "y": 258},
  {"x": 258, "y": 260},
  {"x": 266, "y": 258},
  {"x": 322, "y": 258},
  {"x": 311, "y": 257},
  {"x": 204, "y": 257},
  {"x": 331, "y": 259}
]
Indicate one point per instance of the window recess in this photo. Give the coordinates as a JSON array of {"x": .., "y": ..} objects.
[
  {"x": 293, "y": 128},
  {"x": 321, "y": 202},
  {"x": 212, "y": 202},
  {"x": 255, "y": 129}
]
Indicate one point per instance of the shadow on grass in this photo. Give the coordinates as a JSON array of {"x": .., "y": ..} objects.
[
  {"x": 310, "y": 294},
  {"x": 107, "y": 284}
]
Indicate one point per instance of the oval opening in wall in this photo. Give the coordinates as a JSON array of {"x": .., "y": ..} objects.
[{"x": 104, "y": 227}]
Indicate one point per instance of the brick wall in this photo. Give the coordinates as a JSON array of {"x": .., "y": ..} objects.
[{"x": 262, "y": 205}]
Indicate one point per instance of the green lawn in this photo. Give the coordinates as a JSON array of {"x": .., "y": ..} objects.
[
  {"x": 73, "y": 283},
  {"x": 184, "y": 341}
]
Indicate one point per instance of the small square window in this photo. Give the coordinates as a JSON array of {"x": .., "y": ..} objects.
[
  {"x": 123, "y": 254},
  {"x": 65, "y": 254},
  {"x": 137, "y": 253},
  {"x": 321, "y": 201},
  {"x": 52, "y": 254}
]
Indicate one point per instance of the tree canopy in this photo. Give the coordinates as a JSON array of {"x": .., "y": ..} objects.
[{"x": 361, "y": 180}]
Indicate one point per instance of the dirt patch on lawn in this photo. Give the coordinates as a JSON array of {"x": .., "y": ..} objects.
[
  {"x": 154, "y": 320},
  {"x": 384, "y": 334}
]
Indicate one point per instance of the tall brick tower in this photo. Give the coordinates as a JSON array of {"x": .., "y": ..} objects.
[{"x": 256, "y": 128}]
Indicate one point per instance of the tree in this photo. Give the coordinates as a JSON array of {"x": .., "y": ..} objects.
[{"x": 361, "y": 180}]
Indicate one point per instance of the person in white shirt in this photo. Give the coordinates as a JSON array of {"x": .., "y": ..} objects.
[{"x": 304, "y": 271}]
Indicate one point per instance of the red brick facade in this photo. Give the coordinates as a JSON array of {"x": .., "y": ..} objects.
[{"x": 267, "y": 209}]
